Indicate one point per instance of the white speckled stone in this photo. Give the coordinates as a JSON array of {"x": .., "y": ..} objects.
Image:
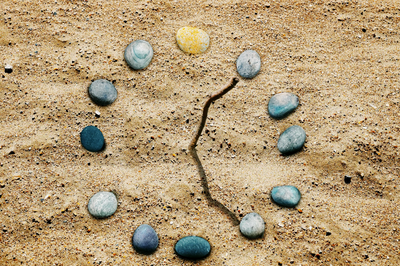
[
  {"x": 252, "y": 225},
  {"x": 248, "y": 64},
  {"x": 102, "y": 204}
]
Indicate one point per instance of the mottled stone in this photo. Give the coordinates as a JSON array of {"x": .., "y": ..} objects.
[
  {"x": 248, "y": 64},
  {"x": 192, "y": 40},
  {"x": 145, "y": 239},
  {"x": 138, "y": 54},
  {"x": 286, "y": 196},
  {"x": 193, "y": 247},
  {"x": 252, "y": 225},
  {"x": 291, "y": 140},
  {"x": 102, "y": 92},
  {"x": 102, "y": 204},
  {"x": 92, "y": 139},
  {"x": 282, "y": 104}
]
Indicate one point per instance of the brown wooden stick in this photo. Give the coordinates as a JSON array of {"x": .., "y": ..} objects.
[{"x": 214, "y": 96}]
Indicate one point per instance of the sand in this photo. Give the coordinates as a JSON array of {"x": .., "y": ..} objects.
[{"x": 341, "y": 58}]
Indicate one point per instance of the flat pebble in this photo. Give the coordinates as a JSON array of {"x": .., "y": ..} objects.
[
  {"x": 145, "y": 239},
  {"x": 291, "y": 140},
  {"x": 192, "y": 40},
  {"x": 102, "y": 204},
  {"x": 102, "y": 92},
  {"x": 286, "y": 196},
  {"x": 193, "y": 247},
  {"x": 138, "y": 54},
  {"x": 92, "y": 139},
  {"x": 282, "y": 104},
  {"x": 248, "y": 64},
  {"x": 252, "y": 225}
]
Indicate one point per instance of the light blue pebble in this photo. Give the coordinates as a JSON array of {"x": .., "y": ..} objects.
[
  {"x": 193, "y": 247},
  {"x": 248, "y": 64},
  {"x": 286, "y": 196},
  {"x": 102, "y": 92},
  {"x": 252, "y": 225},
  {"x": 145, "y": 239},
  {"x": 102, "y": 204},
  {"x": 291, "y": 140},
  {"x": 282, "y": 104},
  {"x": 138, "y": 54}
]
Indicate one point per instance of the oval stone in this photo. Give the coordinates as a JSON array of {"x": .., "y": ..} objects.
[
  {"x": 102, "y": 204},
  {"x": 138, "y": 54},
  {"x": 282, "y": 104},
  {"x": 286, "y": 196},
  {"x": 193, "y": 247},
  {"x": 248, "y": 64},
  {"x": 192, "y": 40},
  {"x": 291, "y": 140},
  {"x": 92, "y": 139},
  {"x": 102, "y": 92},
  {"x": 145, "y": 239},
  {"x": 252, "y": 225}
]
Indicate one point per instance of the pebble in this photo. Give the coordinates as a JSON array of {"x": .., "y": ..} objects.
[
  {"x": 192, "y": 40},
  {"x": 286, "y": 196},
  {"x": 8, "y": 69},
  {"x": 252, "y": 225},
  {"x": 248, "y": 64},
  {"x": 145, "y": 239},
  {"x": 291, "y": 140},
  {"x": 138, "y": 54},
  {"x": 193, "y": 247},
  {"x": 102, "y": 92},
  {"x": 102, "y": 204},
  {"x": 282, "y": 104},
  {"x": 92, "y": 139}
]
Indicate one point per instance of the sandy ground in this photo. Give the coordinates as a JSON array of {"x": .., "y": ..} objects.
[{"x": 340, "y": 57}]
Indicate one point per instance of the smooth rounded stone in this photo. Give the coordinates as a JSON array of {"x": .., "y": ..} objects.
[
  {"x": 291, "y": 140},
  {"x": 286, "y": 196},
  {"x": 282, "y": 104},
  {"x": 102, "y": 204},
  {"x": 138, "y": 54},
  {"x": 252, "y": 225},
  {"x": 92, "y": 139},
  {"x": 248, "y": 64},
  {"x": 145, "y": 239},
  {"x": 102, "y": 92},
  {"x": 192, "y": 40},
  {"x": 193, "y": 247}
]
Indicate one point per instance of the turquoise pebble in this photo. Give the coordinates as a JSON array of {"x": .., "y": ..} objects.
[
  {"x": 102, "y": 92},
  {"x": 286, "y": 196},
  {"x": 252, "y": 225},
  {"x": 92, "y": 139},
  {"x": 138, "y": 54},
  {"x": 291, "y": 140},
  {"x": 193, "y": 247},
  {"x": 145, "y": 239},
  {"x": 248, "y": 64},
  {"x": 102, "y": 204},
  {"x": 282, "y": 104}
]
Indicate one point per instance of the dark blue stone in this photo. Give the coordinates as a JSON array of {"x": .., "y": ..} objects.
[
  {"x": 145, "y": 239},
  {"x": 138, "y": 54},
  {"x": 286, "y": 196},
  {"x": 92, "y": 139},
  {"x": 291, "y": 140},
  {"x": 192, "y": 247},
  {"x": 282, "y": 104},
  {"x": 102, "y": 92},
  {"x": 248, "y": 64}
]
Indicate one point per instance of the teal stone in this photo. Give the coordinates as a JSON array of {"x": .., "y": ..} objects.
[
  {"x": 252, "y": 225},
  {"x": 102, "y": 92},
  {"x": 282, "y": 104},
  {"x": 92, "y": 139},
  {"x": 286, "y": 196},
  {"x": 102, "y": 204},
  {"x": 138, "y": 54},
  {"x": 145, "y": 239},
  {"x": 248, "y": 64},
  {"x": 291, "y": 140},
  {"x": 193, "y": 248}
]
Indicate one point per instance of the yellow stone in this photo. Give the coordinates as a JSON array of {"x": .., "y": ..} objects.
[{"x": 192, "y": 40}]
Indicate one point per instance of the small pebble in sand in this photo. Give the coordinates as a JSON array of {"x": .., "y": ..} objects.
[
  {"x": 347, "y": 179},
  {"x": 138, "y": 54},
  {"x": 286, "y": 196},
  {"x": 8, "y": 69},
  {"x": 291, "y": 140},
  {"x": 252, "y": 225},
  {"x": 192, "y": 247},
  {"x": 102, "y": 92},
  {"x": 248, "y": 64},
  {"x": 92, "y": 139},
  {"x": 102, "y": 204},
  {"x": 282, "y": 104},
  {"x": 145, "y": 239},
  {"x": 192, "y": 40}
]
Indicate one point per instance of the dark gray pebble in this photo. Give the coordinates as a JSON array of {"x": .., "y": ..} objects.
[
  {"x": 92, "y": 139},
  {"x": 192, "y": 247},
  {"x": 145, "y": 239},
  {"x": 282, "y": 104},
  {"x": 291, "y": 140},
  {"x": 248, "y": 64},
  {"x": 102, "y": 92}
]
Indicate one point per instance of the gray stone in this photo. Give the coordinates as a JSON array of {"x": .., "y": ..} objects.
[
  {"x": 248, "y": 64},
  {"x": 282, "y": 104},
  {"x": 286, "y": 196},
  {"x": 92, "y": 139},
  {"x": 102, "y": 92},
  {"x": 138, "y": 54},
  {"x": 252, "y": 225},
  {"x": 193, "y": 247},
  {"x": 145, "y": 239},
  {"x": 291, "y": 140},
  {"x": 102, "y": 204}
]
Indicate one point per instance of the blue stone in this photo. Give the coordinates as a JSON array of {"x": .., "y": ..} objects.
[
  {"x": 138, "y": 54},
  {"x": 248, "y": 64},
  {"x": 286, "y": 196},
  {"x": 282, "y": 104},
  {"x": 192, "y": 247},
  {"x": 252, "y": 225},
  {"x": 102, "y": 204},
  {"x": 291, "y": 140},
  {"x": 145, "y": 239},
  {"x": 102, "y": 92},
  {"x": 92, "y": 139}
]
